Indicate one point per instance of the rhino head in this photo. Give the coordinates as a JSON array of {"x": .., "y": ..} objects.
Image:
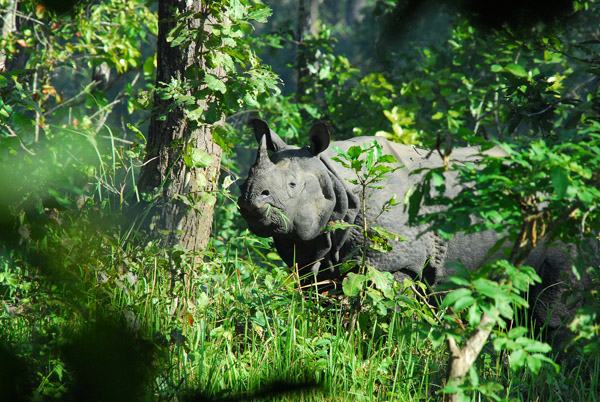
[{"x": 288, "y": 193}]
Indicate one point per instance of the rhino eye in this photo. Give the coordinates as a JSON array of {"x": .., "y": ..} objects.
[{"x": 292, "y": 184}]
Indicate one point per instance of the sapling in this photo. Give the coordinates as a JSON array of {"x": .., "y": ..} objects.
[{"x": 370, "y": 167}]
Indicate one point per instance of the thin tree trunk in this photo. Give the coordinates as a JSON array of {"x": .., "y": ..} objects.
[
  {"x": 462, "y": 359},
  {"x": 9, "y": 26},
  {"x": 12, "y": 23},
  {"x": 354, "y": 11},
  {"x": 308, "y": 11},
  {"x": 313, "y": 27},
  {"x": 185, "y": 194}
]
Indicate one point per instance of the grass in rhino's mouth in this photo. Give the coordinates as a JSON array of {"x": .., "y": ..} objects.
[{"x": 284, "y": 218}]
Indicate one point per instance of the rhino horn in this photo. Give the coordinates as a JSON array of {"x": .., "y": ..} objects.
[{"x": 262, "y": 157}]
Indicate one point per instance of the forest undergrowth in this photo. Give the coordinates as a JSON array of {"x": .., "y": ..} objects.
[{"x": 231, "y": 324}]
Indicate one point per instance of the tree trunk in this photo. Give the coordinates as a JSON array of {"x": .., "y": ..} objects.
[
  {"x": 184, "y": 194},
  {"x": 308, "y": 12},
  {"x": 9, "y": 17},
  {"x": 12, "y": 21},
  {"x": 354, "y": 11}
]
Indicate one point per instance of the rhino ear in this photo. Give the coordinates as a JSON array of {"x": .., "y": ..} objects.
[
  {"x": 319, "y": 137},
  {"x": 261, "y": 128}
]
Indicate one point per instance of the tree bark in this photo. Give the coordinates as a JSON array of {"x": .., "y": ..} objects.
[
  {"x": 308, "y": 12},
  {"x": 184, "y": 195},
  {"x": 12, "y": 23},
  {"x": 9, "y": 26}
]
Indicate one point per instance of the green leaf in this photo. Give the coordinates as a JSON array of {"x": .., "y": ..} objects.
[
  {"x": 354, "y": 152},
  {"x": 356, "y": 165},
  {"x": 473, "y": 376},
  {"x": 560, "y": 180},
  {"x": 259, "y": 12},
  {"x": 505, "y": 309},
  {"x": 437, "y": 116},
  {"x": 464, "y": 302},
  {"x": 178, "y": 40},
  {"x": 376, "y": 150},
  {"x": 451, "y": 389},
  {"x": 548, "y": 360},
  {"x": 463, "y": 397},
  {"x": 137, "y": 133},
  {"x": 538, "y": 347},
  {"x": 534, "y": 363},
  {"x": 474, "y": 315},
  {"x": 517, "y": 332},
  {"x": 208, "y": 198},
  {"x": 201, "y": 181},
  {"x": 194, "y": 113},
  {"x": 384, "y": 233},
  {"x": 383, "y": 281},
  {"x": 438, "y": 179},
  {"x": 488, "y": 288},
  {"x": 516, "y": 70},
  {"x": 340, "y": 152},
  {"x": 387, "y": 159},
  {"x": 334, "y": 225},
  {"x": 148, "y": 67},
  {"x": 374, "y": 295},
  {"x": 353, "y": 284},
  {"x": 517, "y": 358},
  {"x": 459, "y": 280},
  {"x": 455, "y": 295},
  {"x": 213, "y": 82},
  {"x": 200, "y": 159},
  {"x": 501, "y": 343},
  {"x": 273, "y": 256}
]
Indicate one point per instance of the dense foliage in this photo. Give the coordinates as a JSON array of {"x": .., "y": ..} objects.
[{"x": 79, "y": 284}]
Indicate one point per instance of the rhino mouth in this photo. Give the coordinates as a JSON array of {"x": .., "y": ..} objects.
[
  {"x": 256, "y": 213},
  {"x": 266, "y": 219}
]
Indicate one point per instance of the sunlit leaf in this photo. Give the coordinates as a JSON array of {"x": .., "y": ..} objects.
[
  {"x": 516, "y": 70},
  {"x": 353, "y": 284}
]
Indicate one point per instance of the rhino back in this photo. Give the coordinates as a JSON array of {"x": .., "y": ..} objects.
[{"x": 422, "y": 254}]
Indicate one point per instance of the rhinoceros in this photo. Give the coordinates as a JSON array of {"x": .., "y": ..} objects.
[{"x": 292, "y": 194}]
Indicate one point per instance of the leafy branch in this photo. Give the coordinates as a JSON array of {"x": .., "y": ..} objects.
[
  {"x": 531, "y": 197},
  {"x": 219, "y": 41}
]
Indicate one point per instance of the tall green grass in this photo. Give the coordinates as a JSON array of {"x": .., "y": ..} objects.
[{"x": 242, "y": 328}]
